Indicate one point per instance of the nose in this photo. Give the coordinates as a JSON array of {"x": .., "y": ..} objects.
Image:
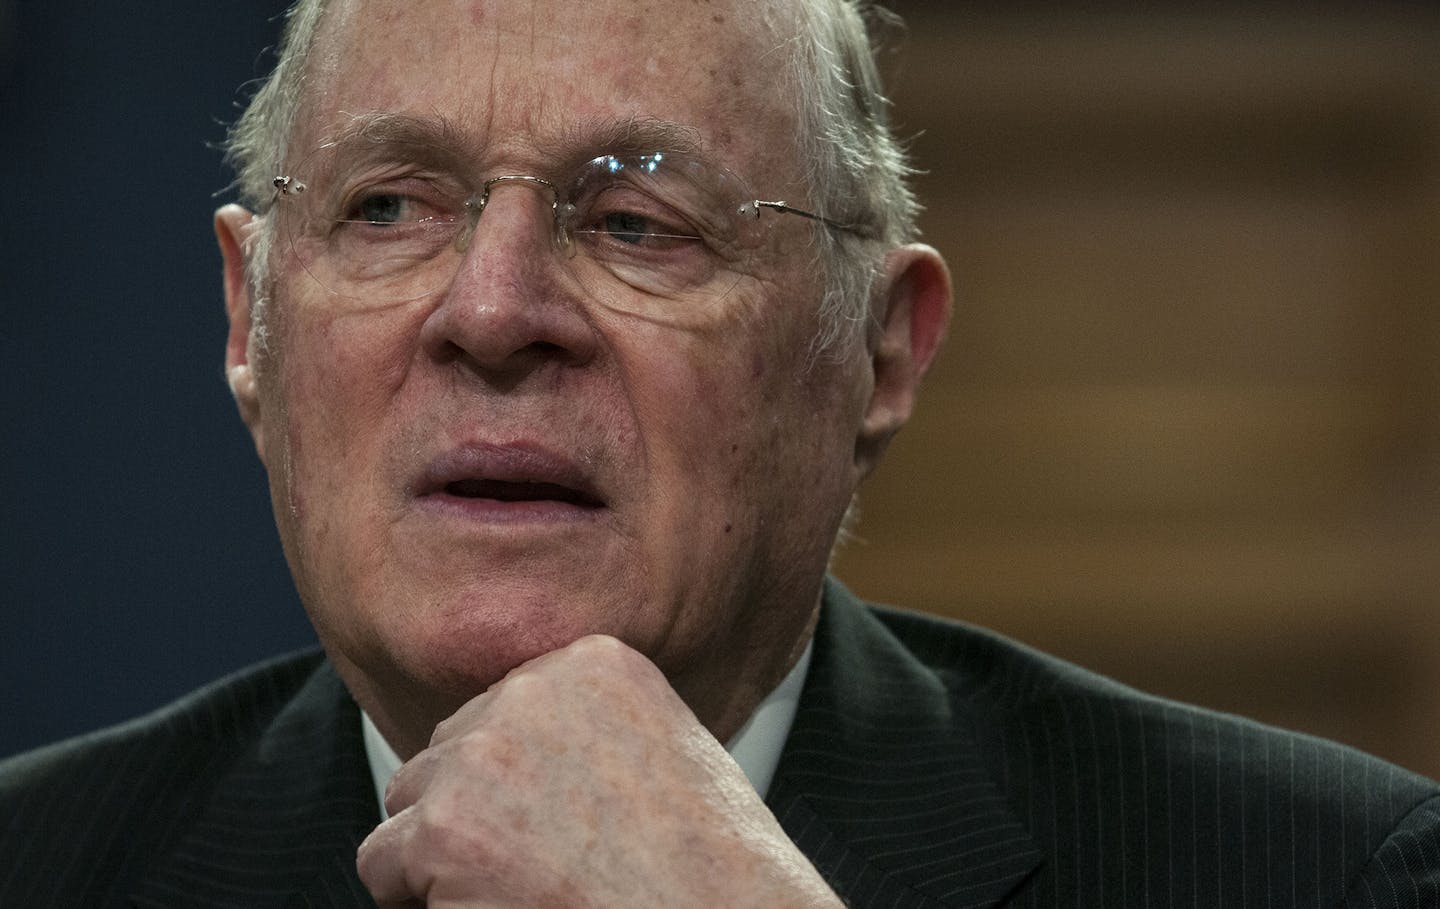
[{"x": 511, "y": 308}]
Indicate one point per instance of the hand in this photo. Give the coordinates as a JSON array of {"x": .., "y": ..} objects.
[{"x": 581, "y": 779}]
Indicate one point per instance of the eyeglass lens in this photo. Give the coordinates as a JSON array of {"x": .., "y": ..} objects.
[{"x": 635, "y": 231}]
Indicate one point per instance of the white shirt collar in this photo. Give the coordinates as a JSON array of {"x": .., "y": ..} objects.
[{"x": 756, "y": 747}]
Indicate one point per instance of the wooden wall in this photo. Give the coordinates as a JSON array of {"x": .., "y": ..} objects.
[{"x": 1186, "y": 429}]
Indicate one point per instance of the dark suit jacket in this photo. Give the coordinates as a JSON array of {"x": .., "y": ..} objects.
[{"x": 930, "y": 764}]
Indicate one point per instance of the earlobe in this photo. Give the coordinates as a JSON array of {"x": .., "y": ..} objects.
[
  {"x": 913, "y": 314},
  {"x": 233, "y": 227}
]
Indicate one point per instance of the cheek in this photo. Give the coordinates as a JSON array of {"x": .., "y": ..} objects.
[
  {"x": 333, "y": 382},
  {"x": 747, "y": 427}
]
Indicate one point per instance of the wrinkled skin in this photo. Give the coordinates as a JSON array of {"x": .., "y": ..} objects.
[
  {"x": 526, "y": 813},
  {"x": 716, "y": 458}
]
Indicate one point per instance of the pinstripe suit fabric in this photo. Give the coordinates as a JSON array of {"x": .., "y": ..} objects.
[
  {"x": 252, "y": 792},
  {"x": 960, "y": 769},
  {"x": 930, "y": 764}
]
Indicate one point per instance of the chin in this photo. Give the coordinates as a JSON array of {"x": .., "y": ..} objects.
[{"x": 463, "y": 651}]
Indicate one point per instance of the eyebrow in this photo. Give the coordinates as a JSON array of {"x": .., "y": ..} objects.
[
  {"x": 638, "y": 134},
  {"x": 577, "y": 141}
]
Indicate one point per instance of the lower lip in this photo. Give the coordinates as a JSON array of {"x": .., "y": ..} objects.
[{"x": 503, "y": 511}]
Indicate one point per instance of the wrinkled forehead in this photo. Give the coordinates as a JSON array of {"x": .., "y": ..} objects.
[{"x": 518, "y": 77}]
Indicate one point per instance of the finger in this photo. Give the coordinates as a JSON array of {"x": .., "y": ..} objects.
[
  {"x": 469, "y": 714},
  {"x": 582, "y": 651},
  {"x": 412, "y": 779},
  {"x": 380, "y": 862}
]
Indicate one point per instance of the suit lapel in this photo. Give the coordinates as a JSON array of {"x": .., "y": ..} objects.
[
  {"x": 281, "y": 826},
  {"x": 884, "y": 786}
]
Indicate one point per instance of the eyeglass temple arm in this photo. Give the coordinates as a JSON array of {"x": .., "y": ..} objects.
[{"x": 785, "y": 209}]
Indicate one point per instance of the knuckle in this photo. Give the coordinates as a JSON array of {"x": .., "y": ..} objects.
[
  {"x": 444, "y": 730},
  {"x": 391, "y": 800},
  {"x": 603, "y": 650},
  {"x": 366, "y": 858},
  {"x": 446, "y": 829},
  {"x": 469, "y": 749}
]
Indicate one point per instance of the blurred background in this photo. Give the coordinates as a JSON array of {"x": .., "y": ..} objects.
[
  {"x": 1187, "y": 427},
  {"x": 1186, "y": 430}
]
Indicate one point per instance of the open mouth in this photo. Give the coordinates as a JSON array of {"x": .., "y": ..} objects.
[
  {"x": 520, "y": 491},
  {"x": 510, "y": 482}
]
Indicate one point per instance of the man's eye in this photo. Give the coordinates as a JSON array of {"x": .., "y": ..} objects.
[
  {"x": 628, "y": 227},
  {"x": 385, "y": 208},
  {"x": 638, "y": 229}
]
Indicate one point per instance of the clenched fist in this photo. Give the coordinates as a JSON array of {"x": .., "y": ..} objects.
[{"x": 581, "y": 779}]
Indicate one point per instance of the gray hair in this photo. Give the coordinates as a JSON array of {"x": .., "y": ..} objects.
[
  {"x": 258, "y": 144},
  {"x": 856, "y": 168}
]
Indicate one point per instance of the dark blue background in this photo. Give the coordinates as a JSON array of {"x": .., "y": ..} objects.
[{"x": 138, "y": 557}]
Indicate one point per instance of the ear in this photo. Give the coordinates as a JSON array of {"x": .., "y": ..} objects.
[
  {"x": 913, "y": 314},
  {"x": 233, "y": 228}
]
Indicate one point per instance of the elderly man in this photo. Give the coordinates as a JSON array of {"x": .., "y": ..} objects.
[{"x": 566, "y": 333}]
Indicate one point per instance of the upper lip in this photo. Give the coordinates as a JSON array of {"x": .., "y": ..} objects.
[{"x": 513, "y": 470}]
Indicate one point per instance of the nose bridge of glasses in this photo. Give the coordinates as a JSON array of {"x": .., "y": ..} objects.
[{"x": 476, "y": 206}]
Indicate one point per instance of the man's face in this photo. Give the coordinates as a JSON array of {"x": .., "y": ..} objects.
[{"x": 474, "y": 477}]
